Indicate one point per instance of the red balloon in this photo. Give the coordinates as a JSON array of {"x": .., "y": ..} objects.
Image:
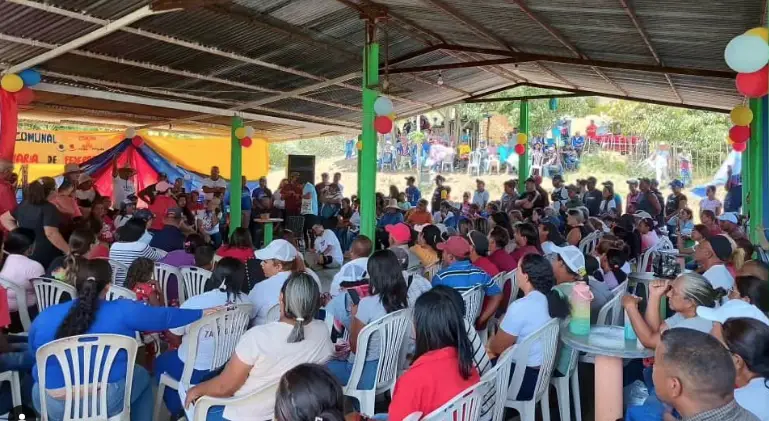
[
  {"x": 25, "y": 96},
  {"x": 754, "y": 85},
  {"x": 137, "y": 141},
  {"x": 246, "y": 142},
  {"x": 739, "y": 134},
  {"x": 520, "y": 149},
  {"x": 740, "y": 147},
  {"x": 383, "y": 124}
]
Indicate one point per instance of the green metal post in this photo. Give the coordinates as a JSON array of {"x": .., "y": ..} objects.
[
  {"x": 367, "y": 166},
  {"x": 757, "y": 167},
  {"x": 236, "y": 171},
  {"x": 523, "y": 160}
]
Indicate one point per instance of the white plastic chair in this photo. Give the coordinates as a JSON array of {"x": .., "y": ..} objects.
[
  {"x": 547, "y": 336},
  {"x": 273, "y": 314},
  {"x": 226, "y": 329},
  {"x": 87, "y": 401},
  {"x": 392, "y": 329},
  {"x": 206, "y": 402},
  {"x": 643, "y": 260},
  {"x": 473, "y": 299},
  {"x": 12, "y": 377},
  {"x": 431, "y": 270},
  {"x": 195, "y": 280},
  {"x": 611, "y": 312},
  {"x": 493, "y": 324},
  {"x": 585, "y": 243},
  {"x": 119, "y": 270},
  {"x": 466, "y": 406},
  {"x": 21, "y": 298},
  {"x": 562, "y": 384},
  {"x": 499, "y": 378},
  {"x": 159, "y": 252},
  {"x": 474, "y": 163},
  {"x": 510, "y": 277},
  {"x": 448, "y": 160},
  {"x": 493, "y": 163},
  {"x": 115, "y": 292},
  {"x": 163, "y": 273},
  {"x": 49, "y": 291}
]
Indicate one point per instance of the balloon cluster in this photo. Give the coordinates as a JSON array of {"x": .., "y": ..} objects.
[
  {"x": 523, "y": 140},
  {"x": 136, "y": 140},
  {"x": 383, "y": 107},
  {"x": 748, "y": 55},
  {"x": 19, "y": 84},
  {"x": 244, "y": 134}
]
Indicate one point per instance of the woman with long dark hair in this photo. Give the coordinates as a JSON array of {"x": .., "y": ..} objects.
[
  {"x": 239, "y": 246},
  {"x": 540, "y": 304},
  {"x": 752, "y": 290},
  {"x": 222, "y": 289},
  {"x": 549, "y": 236},
  {"x": 309, "y": 392},
  {"x": 426, "y": 248},
  {"x": 89, "y": 313},
  {"x": 38, "y": 214},
  {"x": 388, "y": 293},
  {"x": 443, "y": 360},
  {"x": 526, "y": 241},
  {"x": 19, "y": 269}
]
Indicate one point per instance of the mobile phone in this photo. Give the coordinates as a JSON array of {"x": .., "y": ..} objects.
[{"x": 354, "y": 296}]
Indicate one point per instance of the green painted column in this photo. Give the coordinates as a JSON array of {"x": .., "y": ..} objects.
[
  {"x": 236, "y": 171},
  {"x": 757, "y": 168},
  {"x": 523, "y": 160},
  {"x": 367, "y": 163}
]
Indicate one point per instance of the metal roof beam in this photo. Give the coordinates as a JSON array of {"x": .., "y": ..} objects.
[
  {"x": 182, "y": 106},
  {"x": 528, "y": 97},
  {"x": 645, "y": 38},
  {"x": 107, "y": 28}
]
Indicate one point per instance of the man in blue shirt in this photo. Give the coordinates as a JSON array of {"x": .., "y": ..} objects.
[
  {"x": 412, "y": 192},
  {"x": 392, "y": 215},
  {"x": 578, "y": 143},
  {"x": 170, "y": 237},
  {"x": 460, "y": 274}
]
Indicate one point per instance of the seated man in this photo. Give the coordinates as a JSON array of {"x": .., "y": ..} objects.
[
  {"x": 400, "y": 237},
  {"x": 355, "y": 269},
  {"x": 328, "y": 248},
  {"x": 460, "y": 274}
]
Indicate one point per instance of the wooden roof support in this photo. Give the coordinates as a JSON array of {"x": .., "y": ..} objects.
[{"x": 648, "y": 43}]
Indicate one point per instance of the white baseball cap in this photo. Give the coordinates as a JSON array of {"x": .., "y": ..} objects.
[
  {"x": 573, "y": 258},
  {"x": 732, "y": 309},
  {"x": 643, "y": 215},
  {"x": 279, "y": 250},
  {"x": 729, "y": 217}
]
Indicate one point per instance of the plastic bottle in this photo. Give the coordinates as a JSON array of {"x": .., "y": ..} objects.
[
  {"x": 580, "y": 309},
  {"x": 629, "y": 332}
]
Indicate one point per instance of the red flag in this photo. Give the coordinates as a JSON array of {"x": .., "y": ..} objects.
[{"x": 9, "y": 120}]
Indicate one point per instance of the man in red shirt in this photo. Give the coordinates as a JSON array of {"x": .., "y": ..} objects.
[
  {"x": 163, "y": 202},
  {"x": 7, "y": 191},
  {"x": 592, "y": 131}
]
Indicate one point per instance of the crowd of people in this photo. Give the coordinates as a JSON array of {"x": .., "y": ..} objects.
[{"x": 424, "y": 255}]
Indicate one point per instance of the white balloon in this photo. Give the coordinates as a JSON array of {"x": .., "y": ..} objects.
[
  {"x": 250, "y": 131},
  {"x": 130, "y": 133},
  {"x": 746, "y": 53},
  {"x": 383, "y": 106}
]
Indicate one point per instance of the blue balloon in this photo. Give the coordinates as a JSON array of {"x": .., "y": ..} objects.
[{"x": 31, "y": 77}]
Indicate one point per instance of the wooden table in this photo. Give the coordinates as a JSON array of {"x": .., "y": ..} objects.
[
  {"x": 267, "y": 228},
  {"x": 609, "y": 346}
]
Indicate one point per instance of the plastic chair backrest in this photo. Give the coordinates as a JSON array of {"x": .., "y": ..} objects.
[
  {"x": 119, "y": 270},
  {"x": 547, "y": 336},
  {"x": 466, "y": 406},
  {"x": 86, "y": 361},
  {"x": 273, "y": 314},
  {"x": 163, "y": 274},
  {"x": 664, "y": 244},
  {"x": 226, "y": 328},
  {"x": 584, "y": 244},
  {"x": 392, "y": 329},
  {"x": 611, "y": 312},
  {"x": 510, "y": 277},
  {"x": 499, "y": 377},
  {"x": 762, "y": 255},
  {"x": 473, "y": 299},
  {"x": 431, "y": 270},
  {"x": 49, "y": 292},
  {"x": 195, "y": 280},
  {"x": 159, "y": 252},
  {"x": 115, "y": 292},
  {"x": 314, "y": 276},
  {"x": 480, "y": 357},
  {"x": 643, "y": 260},
  {"x": 21, "y": 298}
]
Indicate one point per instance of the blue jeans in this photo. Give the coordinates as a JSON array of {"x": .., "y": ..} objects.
[
  {"x": 169, "y": 363},
  {"x": 141, "y": 398},
  {"x": 342, "y": 370}
]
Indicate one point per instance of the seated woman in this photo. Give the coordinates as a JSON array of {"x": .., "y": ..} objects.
[
  {"x": 389, "y": 293},
  {"x": 426, "y": 248},
  {"x": 309, "y": 392},
  {"x": 19, "y": 269},
  {"x": 279, "y": 260},
  {"x": 752, "y": 290},
  {"x": 526, "y": 241},
  {"x": 575, "y": 227},
  {"x": 443, "y": 361},
  {"x": 612, "y": 263},
  {"x": 267, "y": 352},
  {"x": 540, "y": 304},
  {"x": 549, "y": 236},
  {"x": 129, "y": 247},
  {"x": 649, "y": 236},
  {"x": 89, "y": 313},
  {"x": 239, "y": 246},
  {"x": 222, "y": 289}
]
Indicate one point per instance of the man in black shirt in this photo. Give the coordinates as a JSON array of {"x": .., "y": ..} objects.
[
  {"x": 676, "y": 201},
  {"x": 593, "y": 197},
  {"x": 655, "y": 189},
  {"x": 440, "y": 194}
]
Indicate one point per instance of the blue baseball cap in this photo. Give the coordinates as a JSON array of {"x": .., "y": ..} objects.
[{"x": 677, "y": 183}]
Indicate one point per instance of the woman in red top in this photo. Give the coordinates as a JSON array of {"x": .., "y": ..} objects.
[
  {"x": 443, "y": 362},
  {"x": 240, "y": 246},
  {"x": 526, "y": 241}
]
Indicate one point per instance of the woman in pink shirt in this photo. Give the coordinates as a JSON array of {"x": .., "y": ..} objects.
[{"x": 20, "y": 269}]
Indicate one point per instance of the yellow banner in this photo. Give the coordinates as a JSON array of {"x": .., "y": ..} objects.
[{"x": 60, "y": 148}]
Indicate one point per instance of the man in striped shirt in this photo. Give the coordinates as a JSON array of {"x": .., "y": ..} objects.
[{"x": 460, "y": 274}]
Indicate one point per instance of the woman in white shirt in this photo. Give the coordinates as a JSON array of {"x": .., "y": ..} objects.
[
  {"x": 266, "y": 352},
  {"x": 608, "y": 203},
  {"x": 540, "y": 304},
  {"x": 710, "y": 202},
  {"x": 19, "y": 269},
  {"x": 223, "y": 288}
]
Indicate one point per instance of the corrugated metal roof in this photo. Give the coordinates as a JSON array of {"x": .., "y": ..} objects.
[{"x": 324, "y": 38}]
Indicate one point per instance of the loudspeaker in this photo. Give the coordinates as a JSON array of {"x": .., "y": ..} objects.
[{"x": 303, "y": 166}]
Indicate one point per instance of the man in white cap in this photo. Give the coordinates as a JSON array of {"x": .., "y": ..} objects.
[
  {"x": 122, "y": 182},
  {"x": 328, "y": 248},
  {"x": 356, "y": 268},
  {"x": 278, "y": 260},
  {"x": 730, "y": 224}
]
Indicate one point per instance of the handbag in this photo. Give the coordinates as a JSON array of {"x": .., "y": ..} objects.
[{"x": 666, "y": 265}]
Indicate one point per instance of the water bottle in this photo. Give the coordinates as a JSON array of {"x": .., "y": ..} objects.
[
  {"x": 580, "y": 309},
  {"x": 629, "y": 332}
]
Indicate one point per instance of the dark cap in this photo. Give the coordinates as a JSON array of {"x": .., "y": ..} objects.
[
  {"x": 479, "y": 242},
  {"x": 721, "y": 246},
  {"x": 592, "y": 179},
  {"x": 440, "y": 177},
  {"x": 144, "y": 214},
  {"x": 608, "y": 183},
  {"x": 558, "y": 177},
  {"x": 411, "y": 178}
]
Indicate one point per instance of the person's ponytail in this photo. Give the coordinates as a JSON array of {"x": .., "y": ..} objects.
[
  {"x": 92, "y": 278},
  {"x": 72, "y": 263},
  {"x": 557, "y": 305}
]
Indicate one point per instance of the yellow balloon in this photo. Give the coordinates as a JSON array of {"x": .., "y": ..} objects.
[
  {"x": 391, "y": 116},
  {"x": 240, "y": 132},
  {"x": 759, "y": 32},
  {"x": 12, "y": 82},
  {"x": 522, "y": 138},
  {"x": 729, "y": 140},
  {"x": 741, "y": 115},
  {"x": 359, "y": 145}
]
